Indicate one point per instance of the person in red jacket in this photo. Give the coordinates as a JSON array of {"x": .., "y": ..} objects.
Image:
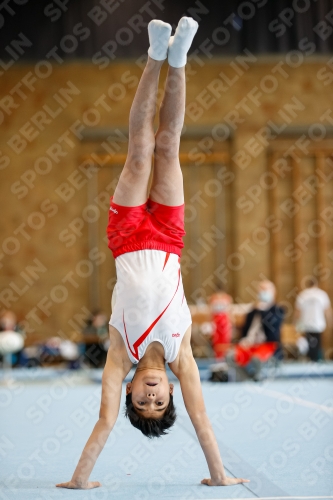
[{"x": 222, "y": 327}]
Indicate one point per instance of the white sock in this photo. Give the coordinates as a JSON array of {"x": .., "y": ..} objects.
[
  {"x": 159, "y": 35},
  {"x": 180, "y": 43}
]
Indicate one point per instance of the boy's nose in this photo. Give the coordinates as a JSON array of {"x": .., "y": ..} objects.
[{"x": 150, "y": 395}]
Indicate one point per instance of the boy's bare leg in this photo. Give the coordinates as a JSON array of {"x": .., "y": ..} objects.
[
  {"x": 133, "y": 182},
  {"x": 167, "y": 185}
]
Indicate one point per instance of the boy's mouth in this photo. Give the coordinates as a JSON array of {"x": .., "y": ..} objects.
[{"x": 150, "y": 384}]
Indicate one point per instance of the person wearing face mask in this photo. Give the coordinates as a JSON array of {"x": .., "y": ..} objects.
[{"x": 260, "y": 337}]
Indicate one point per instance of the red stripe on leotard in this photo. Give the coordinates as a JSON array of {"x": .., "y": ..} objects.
[{"x": 166, "y": 260}]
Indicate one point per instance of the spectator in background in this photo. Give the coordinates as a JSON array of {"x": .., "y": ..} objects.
[
  {"x": 263, "y": 322},
  {"x": 260, "y": 337},
  {"x": 219, "y": 303},
  {"x": 96, "y": 334},
  {"x": 313, "y": 313},
  {"x": 8, "y": 323}
]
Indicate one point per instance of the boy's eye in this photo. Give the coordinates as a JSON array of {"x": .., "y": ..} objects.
[
  {"x": 160, "y": 403},
  {"x": 141, "y": 403}
]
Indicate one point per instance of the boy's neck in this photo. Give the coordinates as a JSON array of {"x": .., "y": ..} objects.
[{"x": 153, "y": 358}]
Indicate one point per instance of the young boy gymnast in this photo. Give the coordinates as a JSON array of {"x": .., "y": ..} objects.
[{"x": 150, "y": 323}]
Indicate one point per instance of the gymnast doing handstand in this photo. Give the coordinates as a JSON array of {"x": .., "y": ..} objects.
[{"x": 150, "y": 323}]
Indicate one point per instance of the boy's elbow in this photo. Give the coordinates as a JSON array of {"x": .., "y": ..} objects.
[
  {"x": 106, "y": 423},
  {"x": 198, "y": 417}
]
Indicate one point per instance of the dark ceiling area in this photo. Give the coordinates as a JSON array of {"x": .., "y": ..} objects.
[{"x": 111, "y": 29}]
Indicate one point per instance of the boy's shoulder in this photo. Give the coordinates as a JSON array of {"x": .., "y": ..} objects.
[
  {"x": 184, "y": 357},
  {"x": 117, "y": 350}
]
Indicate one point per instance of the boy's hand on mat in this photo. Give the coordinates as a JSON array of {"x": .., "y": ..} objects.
[
  {"x": 71, "y": 485},
  {"x": 227, "y": 481}
]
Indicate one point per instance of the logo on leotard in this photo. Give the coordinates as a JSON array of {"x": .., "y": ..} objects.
[
  {"x": 176, "y": 334},
  {"x": 114, "y": 210}
]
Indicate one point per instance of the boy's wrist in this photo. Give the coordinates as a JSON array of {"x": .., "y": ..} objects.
[
  {"x": 79, "y": 482},
  {"x": 218, "y": 475},
  {"x": 219, "y": 479}
]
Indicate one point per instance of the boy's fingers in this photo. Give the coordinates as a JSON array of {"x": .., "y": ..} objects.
[
  {"x": 90, "y": 485},
  {"x": 94, "y": 484},
  {"x": 239, "y": 480}
]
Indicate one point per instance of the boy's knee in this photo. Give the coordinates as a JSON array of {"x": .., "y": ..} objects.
[
  {"x": 167, "y": 144},
  {"x": 138, "y": 164},
  {"x": 141, "y": 145}
]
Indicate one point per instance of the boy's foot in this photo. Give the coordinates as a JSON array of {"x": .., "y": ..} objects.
[
  {"x": 180, "y": 43},
  {"x": 159, "y": 36}
]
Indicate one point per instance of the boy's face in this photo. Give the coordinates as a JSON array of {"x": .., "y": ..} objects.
[{"x": 151, "y": 391}]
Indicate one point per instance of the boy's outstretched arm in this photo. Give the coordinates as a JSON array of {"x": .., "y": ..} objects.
[
  {"x": 187, "y": 373},
  {"x": 114, "y": 373}
]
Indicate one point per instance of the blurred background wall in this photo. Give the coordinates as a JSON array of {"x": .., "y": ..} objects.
[{"x": 256, "y": 149}]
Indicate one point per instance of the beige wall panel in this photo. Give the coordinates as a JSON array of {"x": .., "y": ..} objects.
[{"x": 60, "y": 249}]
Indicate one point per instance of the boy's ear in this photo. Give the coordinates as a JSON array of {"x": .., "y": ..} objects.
[
  {"x": 171, "y": 389},
  {"x": 128, "y": 388}
]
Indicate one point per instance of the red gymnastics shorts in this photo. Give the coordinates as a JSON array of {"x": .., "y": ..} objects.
[
  {"x": 148, "y": 226},
  {"x": 263, "y": 351}
]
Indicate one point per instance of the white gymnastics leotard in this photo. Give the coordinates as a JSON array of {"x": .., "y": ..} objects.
[{"x": 148, "y": 303}]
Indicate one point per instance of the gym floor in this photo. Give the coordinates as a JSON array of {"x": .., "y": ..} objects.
[{"x": 277, "y": 433}]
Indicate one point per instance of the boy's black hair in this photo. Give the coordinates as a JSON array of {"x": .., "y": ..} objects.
[{"x": 151, "y": 427}]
